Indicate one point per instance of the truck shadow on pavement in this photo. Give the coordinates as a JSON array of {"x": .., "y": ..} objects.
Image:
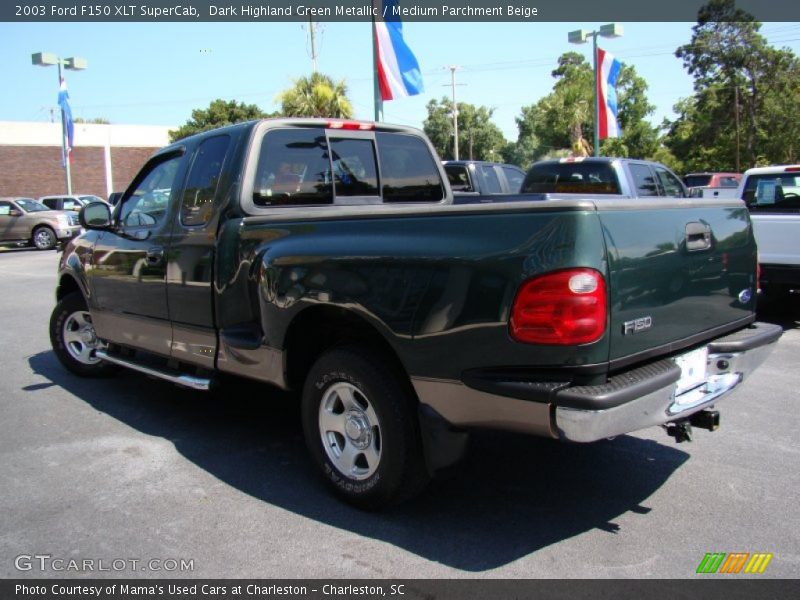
[{"x": 511, "y": 496}]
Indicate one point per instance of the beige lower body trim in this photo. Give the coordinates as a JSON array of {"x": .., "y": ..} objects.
[{"x": 465, "y": 407}]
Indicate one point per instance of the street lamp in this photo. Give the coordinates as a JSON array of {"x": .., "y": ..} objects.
[
  {"x": 75, "y": 63},
  {"x": 581, "y": 36}
]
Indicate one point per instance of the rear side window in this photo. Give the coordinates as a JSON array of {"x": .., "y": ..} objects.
[
  {"x": 458, "y": 176},
  {"x": 409, "y": 172},
  {"x": 571, "y": 178},
  {"x": 491, "y": 180},
  {"x": 776, "y": 192},
  {"x": 201, "y": 185},
  {"x": 293, "y": 168},
  {"x": 669, "y": 183},
  {"x": 697, "y": 180},
  {"x": 514, "y": 177},
  {"x": 643, "y": 180}
]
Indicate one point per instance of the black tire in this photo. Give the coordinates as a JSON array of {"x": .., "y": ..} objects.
[
  {"x": 389, "y": 464},
  {"x": 44, "y": 238},
  {"x": 71, "y": 320}
]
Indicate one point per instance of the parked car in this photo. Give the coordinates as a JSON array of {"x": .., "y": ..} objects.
[
  {"x": 484, "y": 178},
  {"x": 72, "y": 202},
  {"x": 24, "y": 220},
  {"x": 712, "y": 185},
  {"x": 114, "y": 197},
  {"x": 772, "y": 195},
  {"x": 326, "y": 257},
  {"x": 603, "y": 176},
  {"x": 712, "y": 180}
]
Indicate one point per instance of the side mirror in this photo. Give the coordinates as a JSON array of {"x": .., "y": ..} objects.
[
  {"x": 15, "y": 213},
  {"x": 95, "y": 215}
]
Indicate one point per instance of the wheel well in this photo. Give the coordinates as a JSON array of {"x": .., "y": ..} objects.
[
  {"x": 318, "y": 329},
  {"x": 66, "y": 286}
]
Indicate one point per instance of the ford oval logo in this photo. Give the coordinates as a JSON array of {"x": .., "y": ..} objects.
[{"x": 745, "y": 296}]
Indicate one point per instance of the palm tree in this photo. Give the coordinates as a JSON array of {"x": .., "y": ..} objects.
[{"x": 316, "y": 96}]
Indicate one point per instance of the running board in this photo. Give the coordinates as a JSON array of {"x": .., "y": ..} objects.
[{"x": 195, "y": 383}]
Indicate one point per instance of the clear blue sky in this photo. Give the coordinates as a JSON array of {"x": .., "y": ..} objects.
[{"x": 156, "y": 73}]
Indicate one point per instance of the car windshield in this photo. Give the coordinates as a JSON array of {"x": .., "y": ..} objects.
[
  {"x": 86, "y": 199},
  {"x": 774, "y": 192},
  {"x": 31, "y": 205},
  {"x": 571, "y": 178},
  {"x": 697, "y": 180}
]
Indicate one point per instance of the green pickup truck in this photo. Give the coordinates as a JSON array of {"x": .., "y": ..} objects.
[{"x": 327, "y": 257}]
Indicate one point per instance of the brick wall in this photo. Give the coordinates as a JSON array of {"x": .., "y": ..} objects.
[{"x": 36, "y": 171}]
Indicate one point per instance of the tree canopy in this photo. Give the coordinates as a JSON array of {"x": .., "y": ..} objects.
[
  {"x": 218, "y": 114},
  {"x": 478, "y": 137},
  {"x": 563, "y": 121},
  {"x": 316, "y": 96},
  {"x": 747, "y": 95}
]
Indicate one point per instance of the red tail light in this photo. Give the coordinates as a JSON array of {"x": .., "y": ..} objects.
[{"x": 563, "y": 308}]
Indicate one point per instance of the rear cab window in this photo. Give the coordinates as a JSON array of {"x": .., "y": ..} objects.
[
  {"x": 773, "y": 192},
  {"x": 572, "y": 178},
  {"x": 459, "y": 178},
  {"x": 317, "y": 166}
]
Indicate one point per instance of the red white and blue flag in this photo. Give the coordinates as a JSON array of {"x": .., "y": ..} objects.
[
  {"x": 608, "y": 69},
  {"x": 66, "y": 115},
  {"x": 398, "y": 71}
]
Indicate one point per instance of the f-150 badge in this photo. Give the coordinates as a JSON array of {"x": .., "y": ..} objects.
[{"x": 637, "y": 325}]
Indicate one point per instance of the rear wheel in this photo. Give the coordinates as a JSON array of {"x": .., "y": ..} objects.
[
  {"x": 44, "y": 238},
  {"x": 74, "y": 340},
  {"x": 362, "y": 430}
]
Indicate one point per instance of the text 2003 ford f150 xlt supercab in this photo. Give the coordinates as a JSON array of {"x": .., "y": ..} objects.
[{"x": 326, "y": 257}]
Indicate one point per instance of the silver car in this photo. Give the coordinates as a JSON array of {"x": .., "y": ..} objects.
[{"x": 26, "y": 221}]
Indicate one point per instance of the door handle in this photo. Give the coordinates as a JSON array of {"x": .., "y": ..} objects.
[
  {"x": 698, "y": 236},
  {"x": 155, "y": 255}
]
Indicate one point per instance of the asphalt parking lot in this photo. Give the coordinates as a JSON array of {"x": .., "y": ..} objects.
[{"x": 133, "y": 469}]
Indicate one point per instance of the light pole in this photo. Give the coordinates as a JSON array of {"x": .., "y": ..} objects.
[
  {"x": 581, "y": 36},
  {"x": 453, "y": 69},
  {"x": 47, "y": 59}
]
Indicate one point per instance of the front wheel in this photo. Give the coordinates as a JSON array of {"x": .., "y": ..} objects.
[
  {"x": 74, "y": 340},
  {"x": 44, "y": 238},
  {"x": 362, "y": 429}
]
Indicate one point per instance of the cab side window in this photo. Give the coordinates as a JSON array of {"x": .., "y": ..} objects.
[
  {"x": 669, "y": 183},
  {"x": 644, "y": 180},
  {"x": 201, "y": 184},
  {"x": 146, "y": 206},
  {"x": 491, "y": 180}
]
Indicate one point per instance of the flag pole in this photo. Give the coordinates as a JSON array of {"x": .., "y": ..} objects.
[{"x": 376, "y": 83}]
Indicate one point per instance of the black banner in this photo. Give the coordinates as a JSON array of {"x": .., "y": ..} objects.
[
  {"x": 730, "y": 588},
  {"x": 365, "y": 10}
]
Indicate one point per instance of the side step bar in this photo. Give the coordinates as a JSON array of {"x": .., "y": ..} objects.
[{"x": 195, "y": 383}]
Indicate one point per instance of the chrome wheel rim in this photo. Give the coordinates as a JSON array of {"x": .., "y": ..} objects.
[
  {"x": 80, "y": 339},
  {"x": 43, "y": 239},
  {"x": 350, "y": 431}
]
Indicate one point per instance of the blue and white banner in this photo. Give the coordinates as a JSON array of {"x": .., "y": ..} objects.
[
  {"x": 608, "y": 69},
  {"x": 398, "y": 70},
  {"x": 66, "y": 115}
]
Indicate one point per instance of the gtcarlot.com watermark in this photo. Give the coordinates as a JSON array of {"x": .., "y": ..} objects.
[{"x": 49, "y": 563}]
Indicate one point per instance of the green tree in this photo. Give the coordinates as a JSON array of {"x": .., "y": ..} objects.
[
  {"x": 746, "y": 94},
  {"x": 478, "y": 137},
  {"x": 316, "y": 96},
  {"x": 563, "y": 121},
  {"x": 218, "y": 114}
]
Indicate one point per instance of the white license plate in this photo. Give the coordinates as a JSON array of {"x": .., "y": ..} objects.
[{"x": 693, "y": 370}]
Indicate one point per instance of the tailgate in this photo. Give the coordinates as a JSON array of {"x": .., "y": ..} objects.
[{"x": 680, "y": 272}]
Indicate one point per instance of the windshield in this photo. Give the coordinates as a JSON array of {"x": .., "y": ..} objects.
[
  {"x": 697, "y": 180},
  {"x": 86, "y": 199},
  {"x": 571, "y": 178},
  {"x": 31, "y": 205},
  {"x": 774, "y": 192}
]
